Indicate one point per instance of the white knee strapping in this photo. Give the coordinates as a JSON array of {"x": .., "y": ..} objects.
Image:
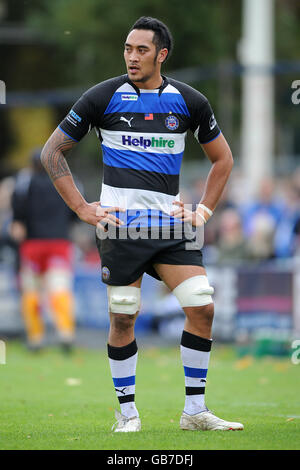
[
  {"x": 124, "y": 299},
  {"x": 194, "y": 292},
  {"x": 58, "y": 279},
  {"x": 30, "y": 281}
]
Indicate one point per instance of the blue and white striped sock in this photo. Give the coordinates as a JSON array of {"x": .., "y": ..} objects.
[
  {"x": 123, "y": 362},
  {"x": 195, "y": 352}
]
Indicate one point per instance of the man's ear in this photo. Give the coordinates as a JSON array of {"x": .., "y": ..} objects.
[{"x": 162, "y": 55}]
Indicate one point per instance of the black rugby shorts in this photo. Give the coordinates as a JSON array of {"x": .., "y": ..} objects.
[{"x": 123, "y": 261}]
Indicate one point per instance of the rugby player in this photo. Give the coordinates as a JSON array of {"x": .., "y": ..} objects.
[
  {"x": 141, "y": 119},
  {"x": 41, "y": 226}
]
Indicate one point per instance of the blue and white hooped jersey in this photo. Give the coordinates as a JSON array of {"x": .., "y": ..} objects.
[{"x": 142, "y": 134}]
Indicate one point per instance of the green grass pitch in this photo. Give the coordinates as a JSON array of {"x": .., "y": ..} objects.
[{"x": 49, "y": 401}]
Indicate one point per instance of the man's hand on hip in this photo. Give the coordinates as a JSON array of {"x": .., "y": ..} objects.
[
  {"x": 197, "y": 218},
  {"x": 93, "y": 214}
]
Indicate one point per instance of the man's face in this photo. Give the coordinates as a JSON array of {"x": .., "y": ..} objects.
[{"x": 141, "y": 58}]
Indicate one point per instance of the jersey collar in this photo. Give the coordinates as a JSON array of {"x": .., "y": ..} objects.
[{"x": 161, "y": 88}]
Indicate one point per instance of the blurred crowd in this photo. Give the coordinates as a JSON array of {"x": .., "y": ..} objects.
[{"x": 265, "y": 227}]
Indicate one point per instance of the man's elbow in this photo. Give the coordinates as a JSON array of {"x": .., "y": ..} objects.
[
  {"x": 229, "y": 160},
  {"x": 44, "y": 156}
]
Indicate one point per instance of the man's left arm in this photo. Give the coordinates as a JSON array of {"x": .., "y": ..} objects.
[{"x": 219, "y": 153}]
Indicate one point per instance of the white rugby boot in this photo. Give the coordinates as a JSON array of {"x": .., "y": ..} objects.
[
  {"x": 124, "y": 424},
  {"x": 207, "y": 421}
]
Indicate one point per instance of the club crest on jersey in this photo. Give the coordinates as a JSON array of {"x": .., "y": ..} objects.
[
  {"x": 172, "y": 123},
  {"x": 105, "y": 273}
]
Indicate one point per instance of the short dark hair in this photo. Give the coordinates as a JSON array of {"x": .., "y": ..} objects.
[{"x": 162, "y": 37}]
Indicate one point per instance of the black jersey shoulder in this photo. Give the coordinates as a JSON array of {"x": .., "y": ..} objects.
[
  {"x": 202, "y": 122},
  {"x": 189, "y": 93},
  {"x": 88, "y": 111},
  {"x": 100, "y": 95},
  {"x": 192, "y": 97}
]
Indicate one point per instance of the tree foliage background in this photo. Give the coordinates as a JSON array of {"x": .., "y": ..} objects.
[
  {"x": 91, "y": 34},
  {"x": 76, "y": 43}
]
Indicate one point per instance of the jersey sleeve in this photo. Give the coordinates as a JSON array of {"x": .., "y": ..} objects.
[
  {"x": 80, "y": 119},
  {"x": 202, "y": 120},
  {"x": 205, "y": 125}
]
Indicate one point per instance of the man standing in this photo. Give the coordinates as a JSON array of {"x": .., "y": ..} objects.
[
  {"x": 141, "y": 119},
  {"x": 41, "y": 225}
]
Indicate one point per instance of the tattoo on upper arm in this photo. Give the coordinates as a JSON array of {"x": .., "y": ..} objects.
[{"x": 53, "y": 155}]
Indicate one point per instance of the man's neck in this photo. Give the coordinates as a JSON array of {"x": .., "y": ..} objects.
[{"x": 150, "y": 84}]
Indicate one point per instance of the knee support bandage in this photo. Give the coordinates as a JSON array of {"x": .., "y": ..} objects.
[
  {"x": 124, "y": 299},
  {"x": 194, "y": 292},
  {"x": 58, "y": 280},
  {"x": 30, "y": 280}
]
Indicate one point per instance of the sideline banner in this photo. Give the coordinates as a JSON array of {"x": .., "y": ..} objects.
[
  {"x": 247, "y": 300},
  {"x": 265, "y": 300}
]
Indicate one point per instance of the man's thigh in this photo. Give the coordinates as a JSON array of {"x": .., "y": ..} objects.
[{"x": 173, "y": 275}]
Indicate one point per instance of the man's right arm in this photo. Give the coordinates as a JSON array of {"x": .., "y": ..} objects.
[{"x": 53, "y": 159}]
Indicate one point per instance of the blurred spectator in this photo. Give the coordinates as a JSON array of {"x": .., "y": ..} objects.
[
  {"x": 6, "y": 189},
  {"x": 8, "y": 248},
  {"x": 260, "y": 240},
  {"x": 232, "y": 244},
  {"x": 265, "y": 204},
  {"x": 286, "y": 237},
  {"x": 260, "y": 218},
  {"x": 41, "y": 223}
]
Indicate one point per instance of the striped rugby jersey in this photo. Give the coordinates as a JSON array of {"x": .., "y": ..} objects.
[{"x": 142, "y": 134}]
